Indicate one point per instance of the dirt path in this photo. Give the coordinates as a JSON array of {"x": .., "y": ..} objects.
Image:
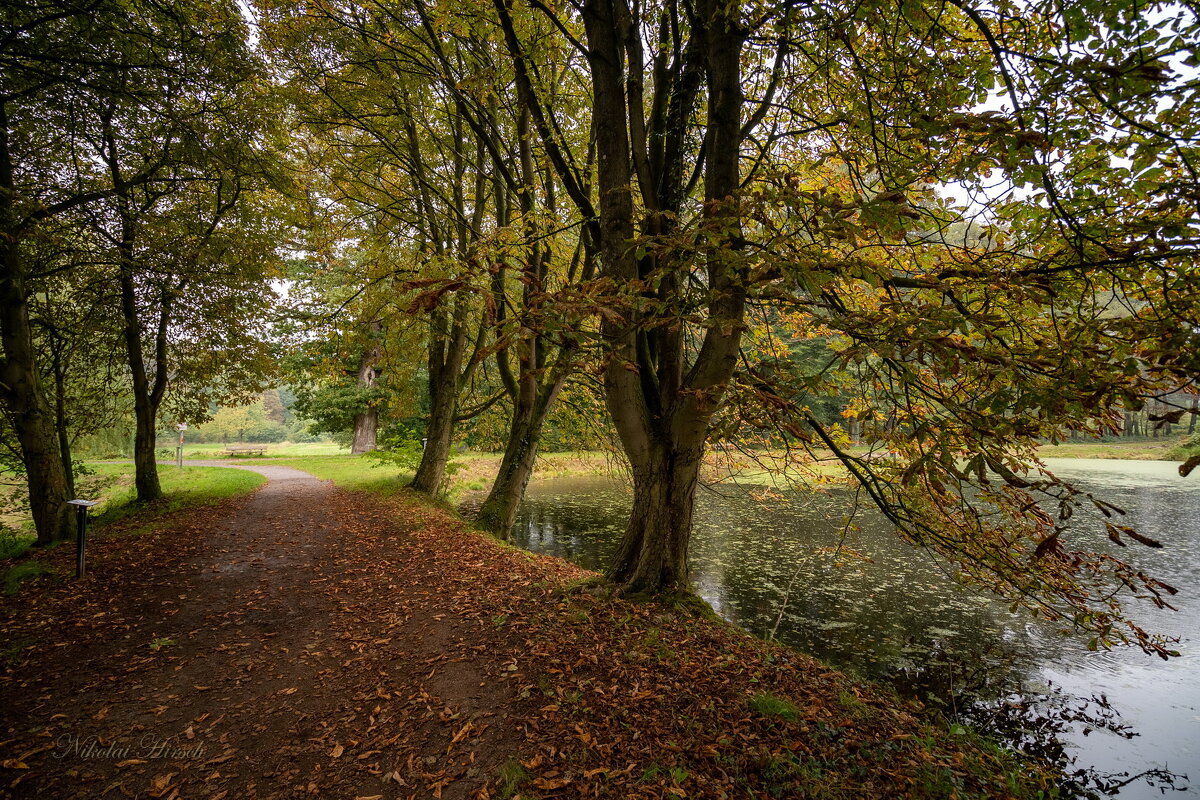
[
  {"x": 311, "y": 643},
  {"x": 236, "y": 655}
]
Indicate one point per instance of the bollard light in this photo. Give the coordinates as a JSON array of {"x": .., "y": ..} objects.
[{"x": 81, "y": 520}]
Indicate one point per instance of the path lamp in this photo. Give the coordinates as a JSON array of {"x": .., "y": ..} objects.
[{"x": 81, "y": 520}]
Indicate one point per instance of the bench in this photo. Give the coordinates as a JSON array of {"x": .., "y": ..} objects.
[{"x": 245, "y": 450}]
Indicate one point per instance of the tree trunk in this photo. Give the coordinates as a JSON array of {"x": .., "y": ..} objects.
[
  {"x": 60, "y": 418},
  {"x": 653, "y": 554},
  {"x": 31, "y": 416},
  {"x": 145, "y": 442},
  {"x": 447, "y": 349},
  {"x": 660, "y": 404},
  {"x": 432, "y": 470},
  {"x": 20, "y": 385},
  {"x": 145, "y": 409},
  {"x": 1192, "y": 416},
  {"x": 366, "y": 423},
  {"x": 498, "y": 513}
]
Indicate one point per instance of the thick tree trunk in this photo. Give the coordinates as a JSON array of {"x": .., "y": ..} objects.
[
  {"x": 662, "y": 405},
  {"x": 366, "y": 426},
  {"x": 431, "y": 472},
  {"x": 366, "y": 423},
  {"x": 499, "y": 511},
  {"x": 31, "y": 415},
  {"x": 20, "y": 385},
  {"x": 60, "y": 421},
  {"x": 447, "y": 350},
  {"x": 653, "y": 554},
  {"x": 145, "y": 442}
]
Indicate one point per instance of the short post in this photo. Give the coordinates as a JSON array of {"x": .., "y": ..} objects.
[{"x": 81, "y": 521}]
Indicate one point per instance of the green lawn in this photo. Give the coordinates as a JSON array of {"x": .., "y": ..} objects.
[
  {"x": 112, "y": 485},
  {"x": 1159, "y": 449},
  {"x": 351, "y": 472},
  {"x": 209, "y": 450}
]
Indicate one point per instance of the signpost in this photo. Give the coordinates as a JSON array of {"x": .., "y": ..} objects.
[
  {"x": 179, "y": 448},
  {"x": 81, "y": 520}
]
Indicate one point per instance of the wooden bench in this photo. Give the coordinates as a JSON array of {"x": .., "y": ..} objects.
[{"x": 245, "y": 450}]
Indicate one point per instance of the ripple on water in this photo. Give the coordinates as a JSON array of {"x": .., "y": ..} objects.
[{"x": 869, "y": 603}]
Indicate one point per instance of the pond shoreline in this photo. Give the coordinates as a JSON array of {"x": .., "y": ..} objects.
[{"x": 580, "y": 519}]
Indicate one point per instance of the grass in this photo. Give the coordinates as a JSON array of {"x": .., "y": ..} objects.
[
  {"x": 357, "y": 473},
  {"x": 26, "y": 570},
  {"x": 14, "y": 543},
  {"x": 207, "y": 450},
  {"x": 770, "y": 705},
  {"x": 1164, "y": 448},
  {"x": 112, "y": 485},
  {"x": 511, "y": 776},
  {"x": 470, "y": 471}
]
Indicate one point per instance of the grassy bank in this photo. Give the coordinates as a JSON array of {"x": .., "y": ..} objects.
[
  {"x": 112, "y": 485},
  {"x": 470, "y": 473},
  {"x": 586, "y": 695},
  {"x": 659, "y": 699},
  {"x": 1165, "y": 448}
]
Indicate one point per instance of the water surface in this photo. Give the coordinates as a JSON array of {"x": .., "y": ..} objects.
[{"x": 860, "y": 598}]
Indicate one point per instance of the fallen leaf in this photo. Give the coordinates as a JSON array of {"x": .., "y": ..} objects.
[{"x": 159, "y": 786}]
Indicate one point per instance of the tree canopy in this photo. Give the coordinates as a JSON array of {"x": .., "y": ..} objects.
[{"x": 917, "y": 239}]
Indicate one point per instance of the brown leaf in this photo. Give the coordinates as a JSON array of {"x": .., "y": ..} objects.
[
  {"x": 1146, "y": 540},
  {"x": 337, "y": 751},
  {"x": 1047, "y": 545},
  {"x": 550, "y": 784},
  {"x": 228, "y": 754},
  {"x": 159, "y": 786}
]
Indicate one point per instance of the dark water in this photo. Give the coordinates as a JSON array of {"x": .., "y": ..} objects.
[{"x": 861, "y": 599}]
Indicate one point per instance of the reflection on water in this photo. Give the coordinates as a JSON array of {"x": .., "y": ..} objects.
[{"x": 859, "y": 598}]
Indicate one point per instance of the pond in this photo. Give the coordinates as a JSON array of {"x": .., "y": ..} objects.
[{"x": 788, "y": 569}]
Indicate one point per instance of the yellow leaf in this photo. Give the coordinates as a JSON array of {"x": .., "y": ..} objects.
[{"x": 12, "y": 763}]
